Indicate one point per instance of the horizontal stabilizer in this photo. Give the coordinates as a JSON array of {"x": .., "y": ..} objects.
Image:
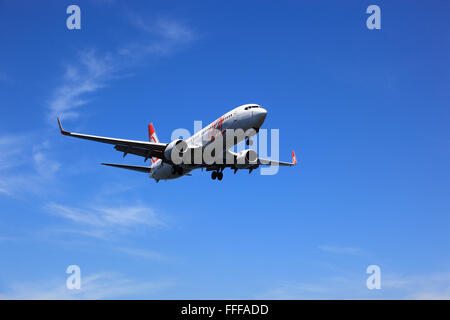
[{"x": 124, "y": 166}]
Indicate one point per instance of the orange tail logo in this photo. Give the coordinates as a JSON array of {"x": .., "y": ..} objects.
[{"x": 152, "y": 137}]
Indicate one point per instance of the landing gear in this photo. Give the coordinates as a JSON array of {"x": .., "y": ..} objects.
[
  {"x": 177, "y": 170},
  {"x": 216, "y": 174},
  {"x": 249, "y": 142}
]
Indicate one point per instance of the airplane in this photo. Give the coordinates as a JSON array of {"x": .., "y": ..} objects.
[{"x": 165, "y": 166}]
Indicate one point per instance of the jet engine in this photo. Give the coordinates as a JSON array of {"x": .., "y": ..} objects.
[
  {"x": 176, "y": 150},
  {"x": 246, "y": 159}
]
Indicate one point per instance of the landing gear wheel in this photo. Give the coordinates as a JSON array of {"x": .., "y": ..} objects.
[
  {"x": 214, "y": 175},
  {"x": 219, "y": 176}
]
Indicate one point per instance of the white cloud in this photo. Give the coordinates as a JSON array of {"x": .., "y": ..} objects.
[
  {"x": 17, "y": 174},
  {"x": 105, "y": 285},
  {"x": 89, "y": 74},
  {"x": 44, "y": 165},
  {"x": 427, "y": 286},
  {"x": 162, "y": 37},
  {"x": 105, "y": 221},
  {"x": 170, "y": 35},
  {"x": 93, "y": 71},
  {"x": 174, "y": 31},
  {"x": 12, "y": 153},
  {"x": 126, "y": 216}
]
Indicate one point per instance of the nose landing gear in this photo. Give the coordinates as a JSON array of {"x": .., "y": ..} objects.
[{"x": 217, "y": 174}]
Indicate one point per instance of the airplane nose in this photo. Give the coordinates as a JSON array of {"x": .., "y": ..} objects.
[{"x": 260, "y": 116}]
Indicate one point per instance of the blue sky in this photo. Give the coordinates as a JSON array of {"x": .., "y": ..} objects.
[{"x": 367, "y": 112}]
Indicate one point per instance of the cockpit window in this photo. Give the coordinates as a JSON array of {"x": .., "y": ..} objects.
[{"x": 250, "y": 107}]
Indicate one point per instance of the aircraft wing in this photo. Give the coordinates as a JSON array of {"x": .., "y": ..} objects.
[
  {"x": 140, "y": 148},
  {"x": 266, "y": 162},
  {"x": 269, "y": 162}
]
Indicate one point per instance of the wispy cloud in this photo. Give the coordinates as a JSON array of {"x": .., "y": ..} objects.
[
  {"x": 90, "y": 74},
  {"x": 94, "y": 71},
  {"x": 104, "y": 221},
  {"x": 107, "y": 285},
  {"x": 12, "y": 151},
  {"x": 341, "y": 250},
  {"x": 168, "y": 35},
  {"x": 353, "y": 286},
  {"x": 107, "y": 216},
  {"x": 427, "y": 286},
  {"x": 45, "y": 165},
  {"x": 17, "y": 173}
]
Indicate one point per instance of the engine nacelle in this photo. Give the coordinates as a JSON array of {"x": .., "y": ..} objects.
[
  {"x": 246, "y": 159},
  {"x": 175, "y": 151}
]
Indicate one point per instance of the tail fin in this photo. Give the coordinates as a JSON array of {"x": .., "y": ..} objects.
[
  {"x": 152, "y": 137},
  {"x": 294, "y": 159}
]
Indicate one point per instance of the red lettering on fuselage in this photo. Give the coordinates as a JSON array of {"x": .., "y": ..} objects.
[{"x": 216, "y": 126}]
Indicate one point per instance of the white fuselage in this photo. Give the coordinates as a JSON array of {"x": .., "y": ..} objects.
[{"x": 245, "y": 117}]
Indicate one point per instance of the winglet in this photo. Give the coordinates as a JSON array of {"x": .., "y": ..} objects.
[
  {"x": 61, "y": 128},
  {"x": 294, "y": 159}
]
